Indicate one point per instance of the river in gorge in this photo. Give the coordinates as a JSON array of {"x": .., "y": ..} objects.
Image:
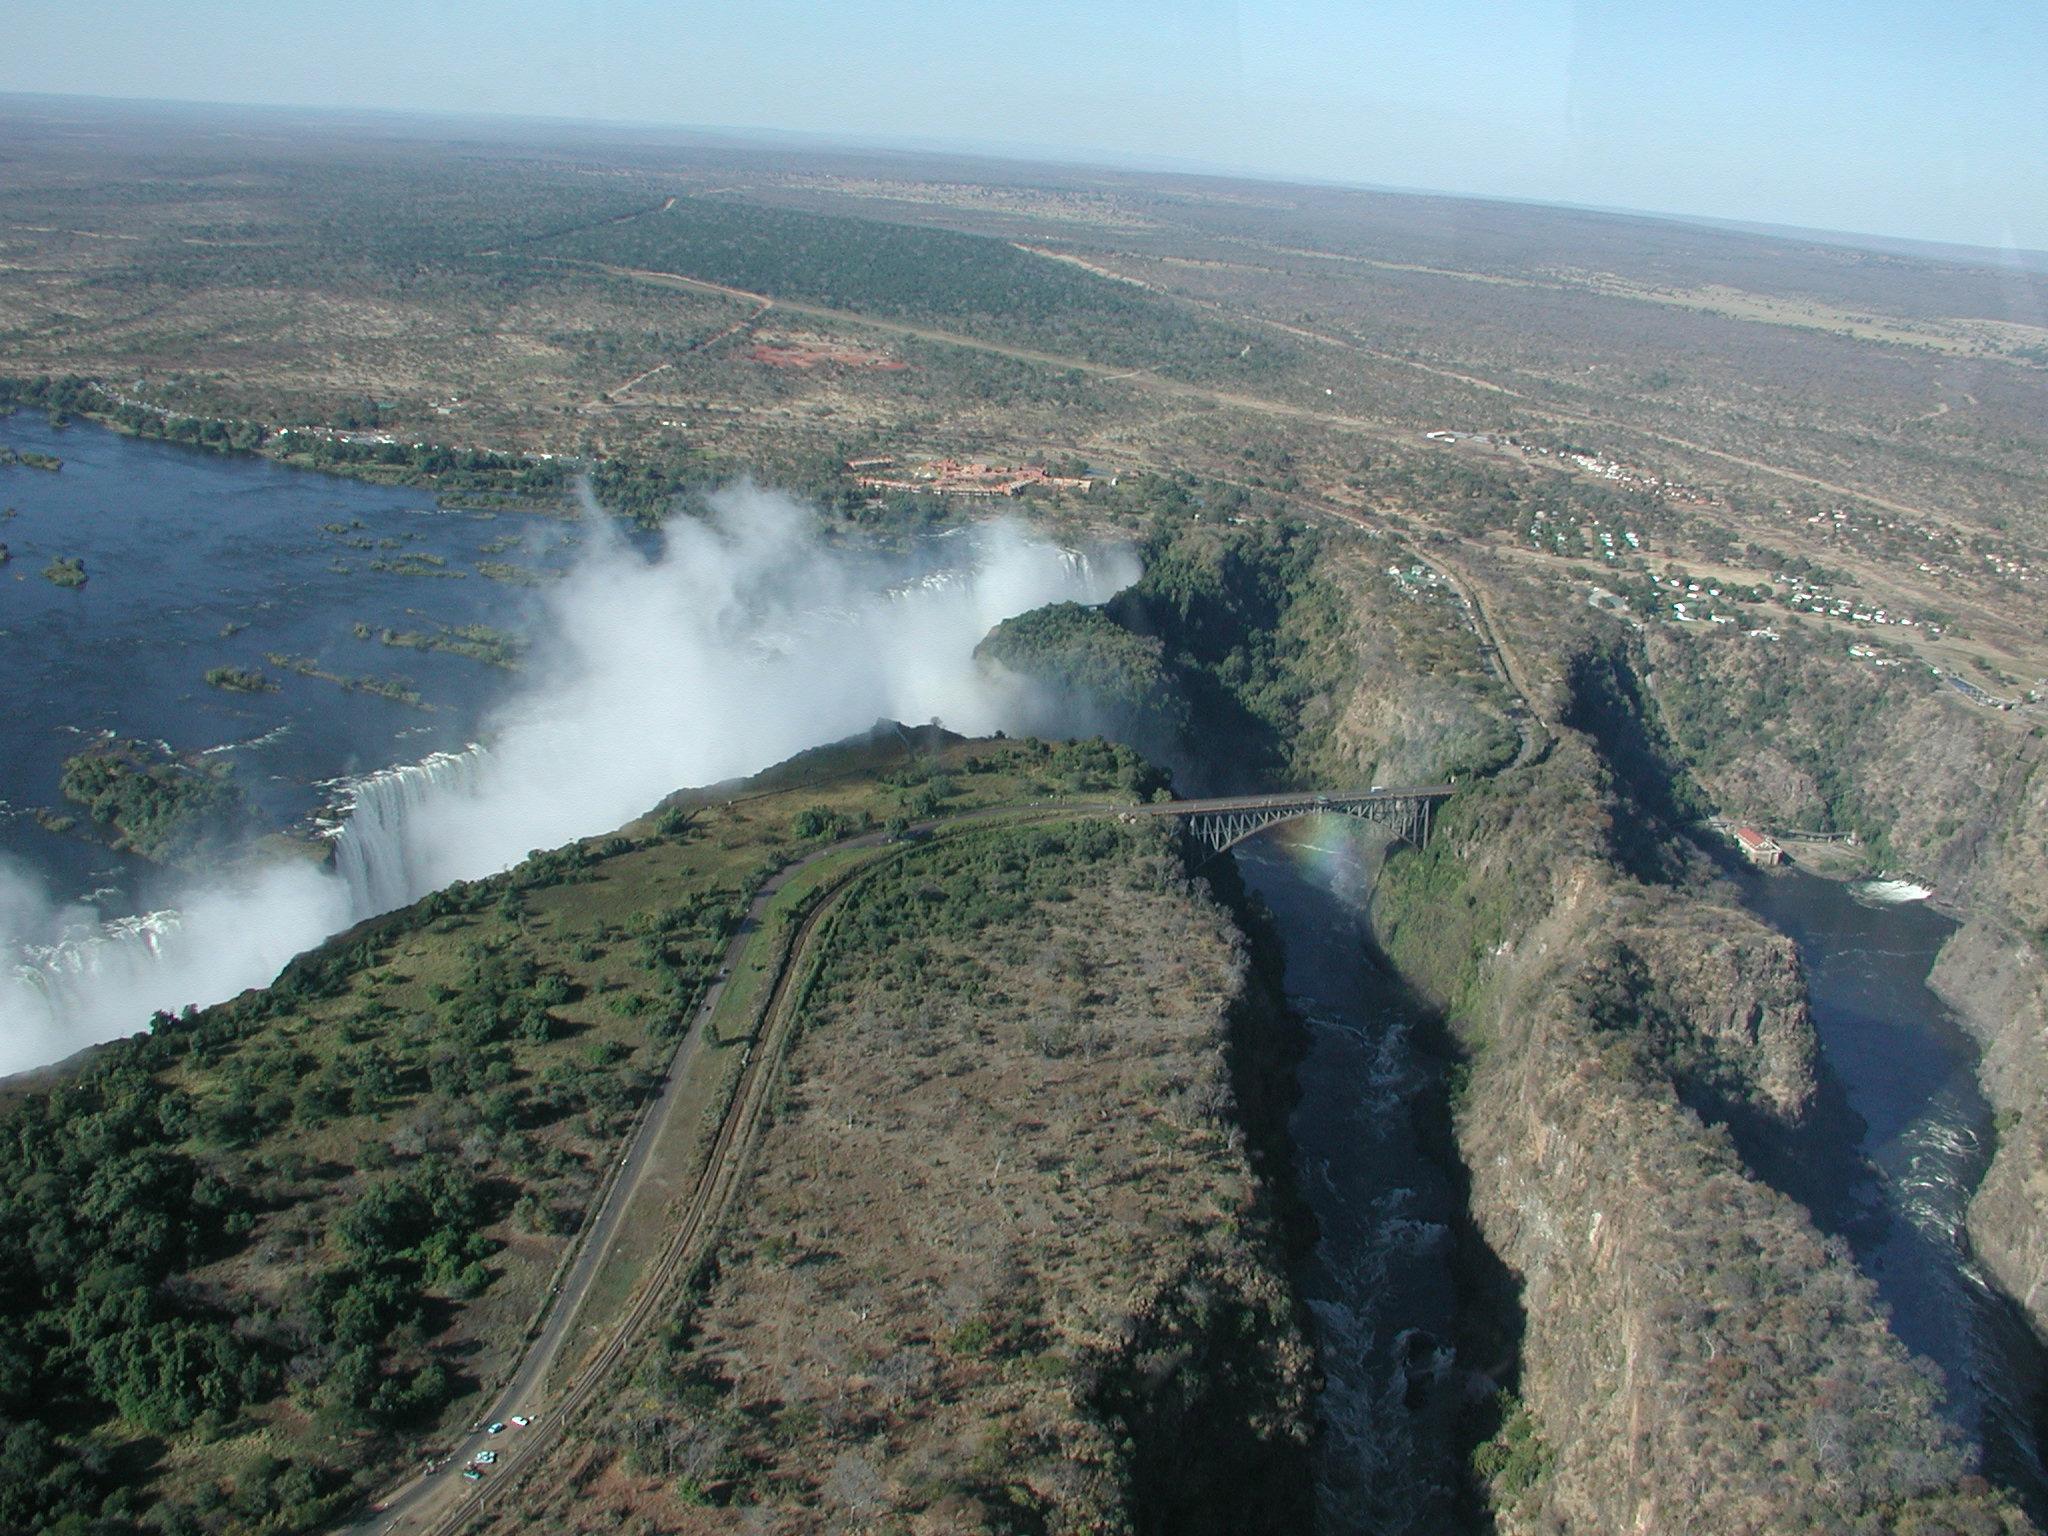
[
  {"x": 1381, "y": 1283},
  {"x": 1905, "y": 1138},
  {"x": 1896, "y": 1172}
]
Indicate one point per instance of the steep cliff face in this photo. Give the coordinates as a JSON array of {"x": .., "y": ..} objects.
[
  {"x": 1725, "y": 1000},
  {"x": 1803, "y": 735},
  {"x": 1998, "y": 984},
  {"x": 1696, "y": 1356}
]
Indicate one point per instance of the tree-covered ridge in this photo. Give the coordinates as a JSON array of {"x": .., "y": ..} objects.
[
  {"x": 1233, "y": 633},
  {"x": 1088, "y": 666},
  {"x": 251, "y": 1256}
]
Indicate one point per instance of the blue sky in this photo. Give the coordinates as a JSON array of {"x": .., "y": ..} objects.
[{"x": 1927, "y": 120}]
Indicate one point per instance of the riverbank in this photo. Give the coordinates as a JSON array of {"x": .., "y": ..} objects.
[{"x": 466, "y": 478}]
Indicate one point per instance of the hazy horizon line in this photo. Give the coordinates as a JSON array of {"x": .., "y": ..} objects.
[{"x": 1010, "y": 152}]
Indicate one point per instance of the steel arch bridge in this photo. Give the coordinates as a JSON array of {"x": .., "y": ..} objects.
[{"x": 1224, "y": 823}]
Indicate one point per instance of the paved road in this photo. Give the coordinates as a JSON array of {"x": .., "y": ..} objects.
[{"x": 427, "y": 1498}]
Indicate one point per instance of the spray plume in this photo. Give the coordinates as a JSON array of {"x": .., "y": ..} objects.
[{"x": 746, "y": 638}]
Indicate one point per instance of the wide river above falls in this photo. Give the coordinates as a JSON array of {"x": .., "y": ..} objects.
[
  {"x": 390, "y": 633},
  {"x": 197, "y": 560}
]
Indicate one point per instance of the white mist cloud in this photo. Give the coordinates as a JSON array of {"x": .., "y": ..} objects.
[
  {"x": 79, "y": 981},
  {"x": 747, "y": 638}
]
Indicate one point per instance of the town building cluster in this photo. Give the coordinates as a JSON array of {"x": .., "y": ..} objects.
[{"x": 954, "y": 477}]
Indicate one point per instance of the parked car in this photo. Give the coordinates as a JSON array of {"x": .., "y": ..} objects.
[{"x": 472, "y": 1474}]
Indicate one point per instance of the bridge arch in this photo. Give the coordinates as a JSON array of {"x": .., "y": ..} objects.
[{"x": 1222, "y": 825}]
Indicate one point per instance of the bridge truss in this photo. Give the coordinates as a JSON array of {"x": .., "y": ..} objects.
[{"x": 1407, "y": 813}]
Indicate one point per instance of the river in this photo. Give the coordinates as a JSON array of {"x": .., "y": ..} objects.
[
  {"x": 198, "y": 560},
  {"x": 1897, "y": 1171},
  {"x": 1380, "y": 1284}
]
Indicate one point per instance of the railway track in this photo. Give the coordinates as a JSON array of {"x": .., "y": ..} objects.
[{"x": 718, "y": 1183}]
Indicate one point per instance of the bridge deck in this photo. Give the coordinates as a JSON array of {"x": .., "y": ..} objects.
[
  {"x": 1224, "y": 821},
  {"x": 1302, "y": 800}
]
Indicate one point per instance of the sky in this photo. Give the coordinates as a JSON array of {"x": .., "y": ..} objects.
[{"x": 1924, "y": 120}]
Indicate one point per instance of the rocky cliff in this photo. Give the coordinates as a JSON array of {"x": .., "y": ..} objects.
[
  {"x": 1696, "y": 1356},
  {"x": 1802, "y": 734}
]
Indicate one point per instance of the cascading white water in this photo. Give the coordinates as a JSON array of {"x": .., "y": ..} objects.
[
  {"x": 67, "y": 969},
  {"x": 374, "y": 851},
  {"x": 746, "y": 639}
]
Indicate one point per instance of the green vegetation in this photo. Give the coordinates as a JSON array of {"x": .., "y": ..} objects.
[
  {"x": 158, "y": 807},
  {"x": 1231, "y": 635},
  {"x": 984, "y": 285},
  {"x": 417, "y": 563},
  {"x": 1799, "y": 717},
  {"x": 30, "y": 459},
  {"x": 1250, "y": 630},
  {"x": 512, "y": 575},
  {"x": 248, "y": 1258},
  {"x": 65, "y": 571},
  {"x": 239, "y": 680},
  {"x": 479, "y": 642},
  {"x": 397, "y": 689},
  {"x": 1086, "y": 658},
  {"x": 1515, "y": 1460}
]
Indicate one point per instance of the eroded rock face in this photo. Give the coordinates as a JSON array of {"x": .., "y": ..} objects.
[
  {"x": 1735, "y": 990},
  {"x": 1998, "y": 985},
  {"x": 1695, "y": 1354}
]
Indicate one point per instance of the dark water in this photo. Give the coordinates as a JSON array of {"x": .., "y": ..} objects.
[
  {"x": 1908, "y": 1141},
  {"x": 1380, "y": 1282},
  {"x": 179, "y": 543},
  {"x": 1906, "y": 1159}
]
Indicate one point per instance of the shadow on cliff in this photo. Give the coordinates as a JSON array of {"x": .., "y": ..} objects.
[{"x": 1656, "y": 836}]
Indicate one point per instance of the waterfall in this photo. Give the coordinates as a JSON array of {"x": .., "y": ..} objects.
[
  {"x": 744, "y": 640},
  {"x": 125, "y": 949},
  {"x": 76, "y": 979},
  {"x": 376, "y": 850},
  {"x": 80, "y": 976}
]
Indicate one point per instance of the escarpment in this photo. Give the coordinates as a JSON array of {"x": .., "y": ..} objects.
[
  {"x": 1934, "y": 786},
  {"x": 1696, "y": 1355}
]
